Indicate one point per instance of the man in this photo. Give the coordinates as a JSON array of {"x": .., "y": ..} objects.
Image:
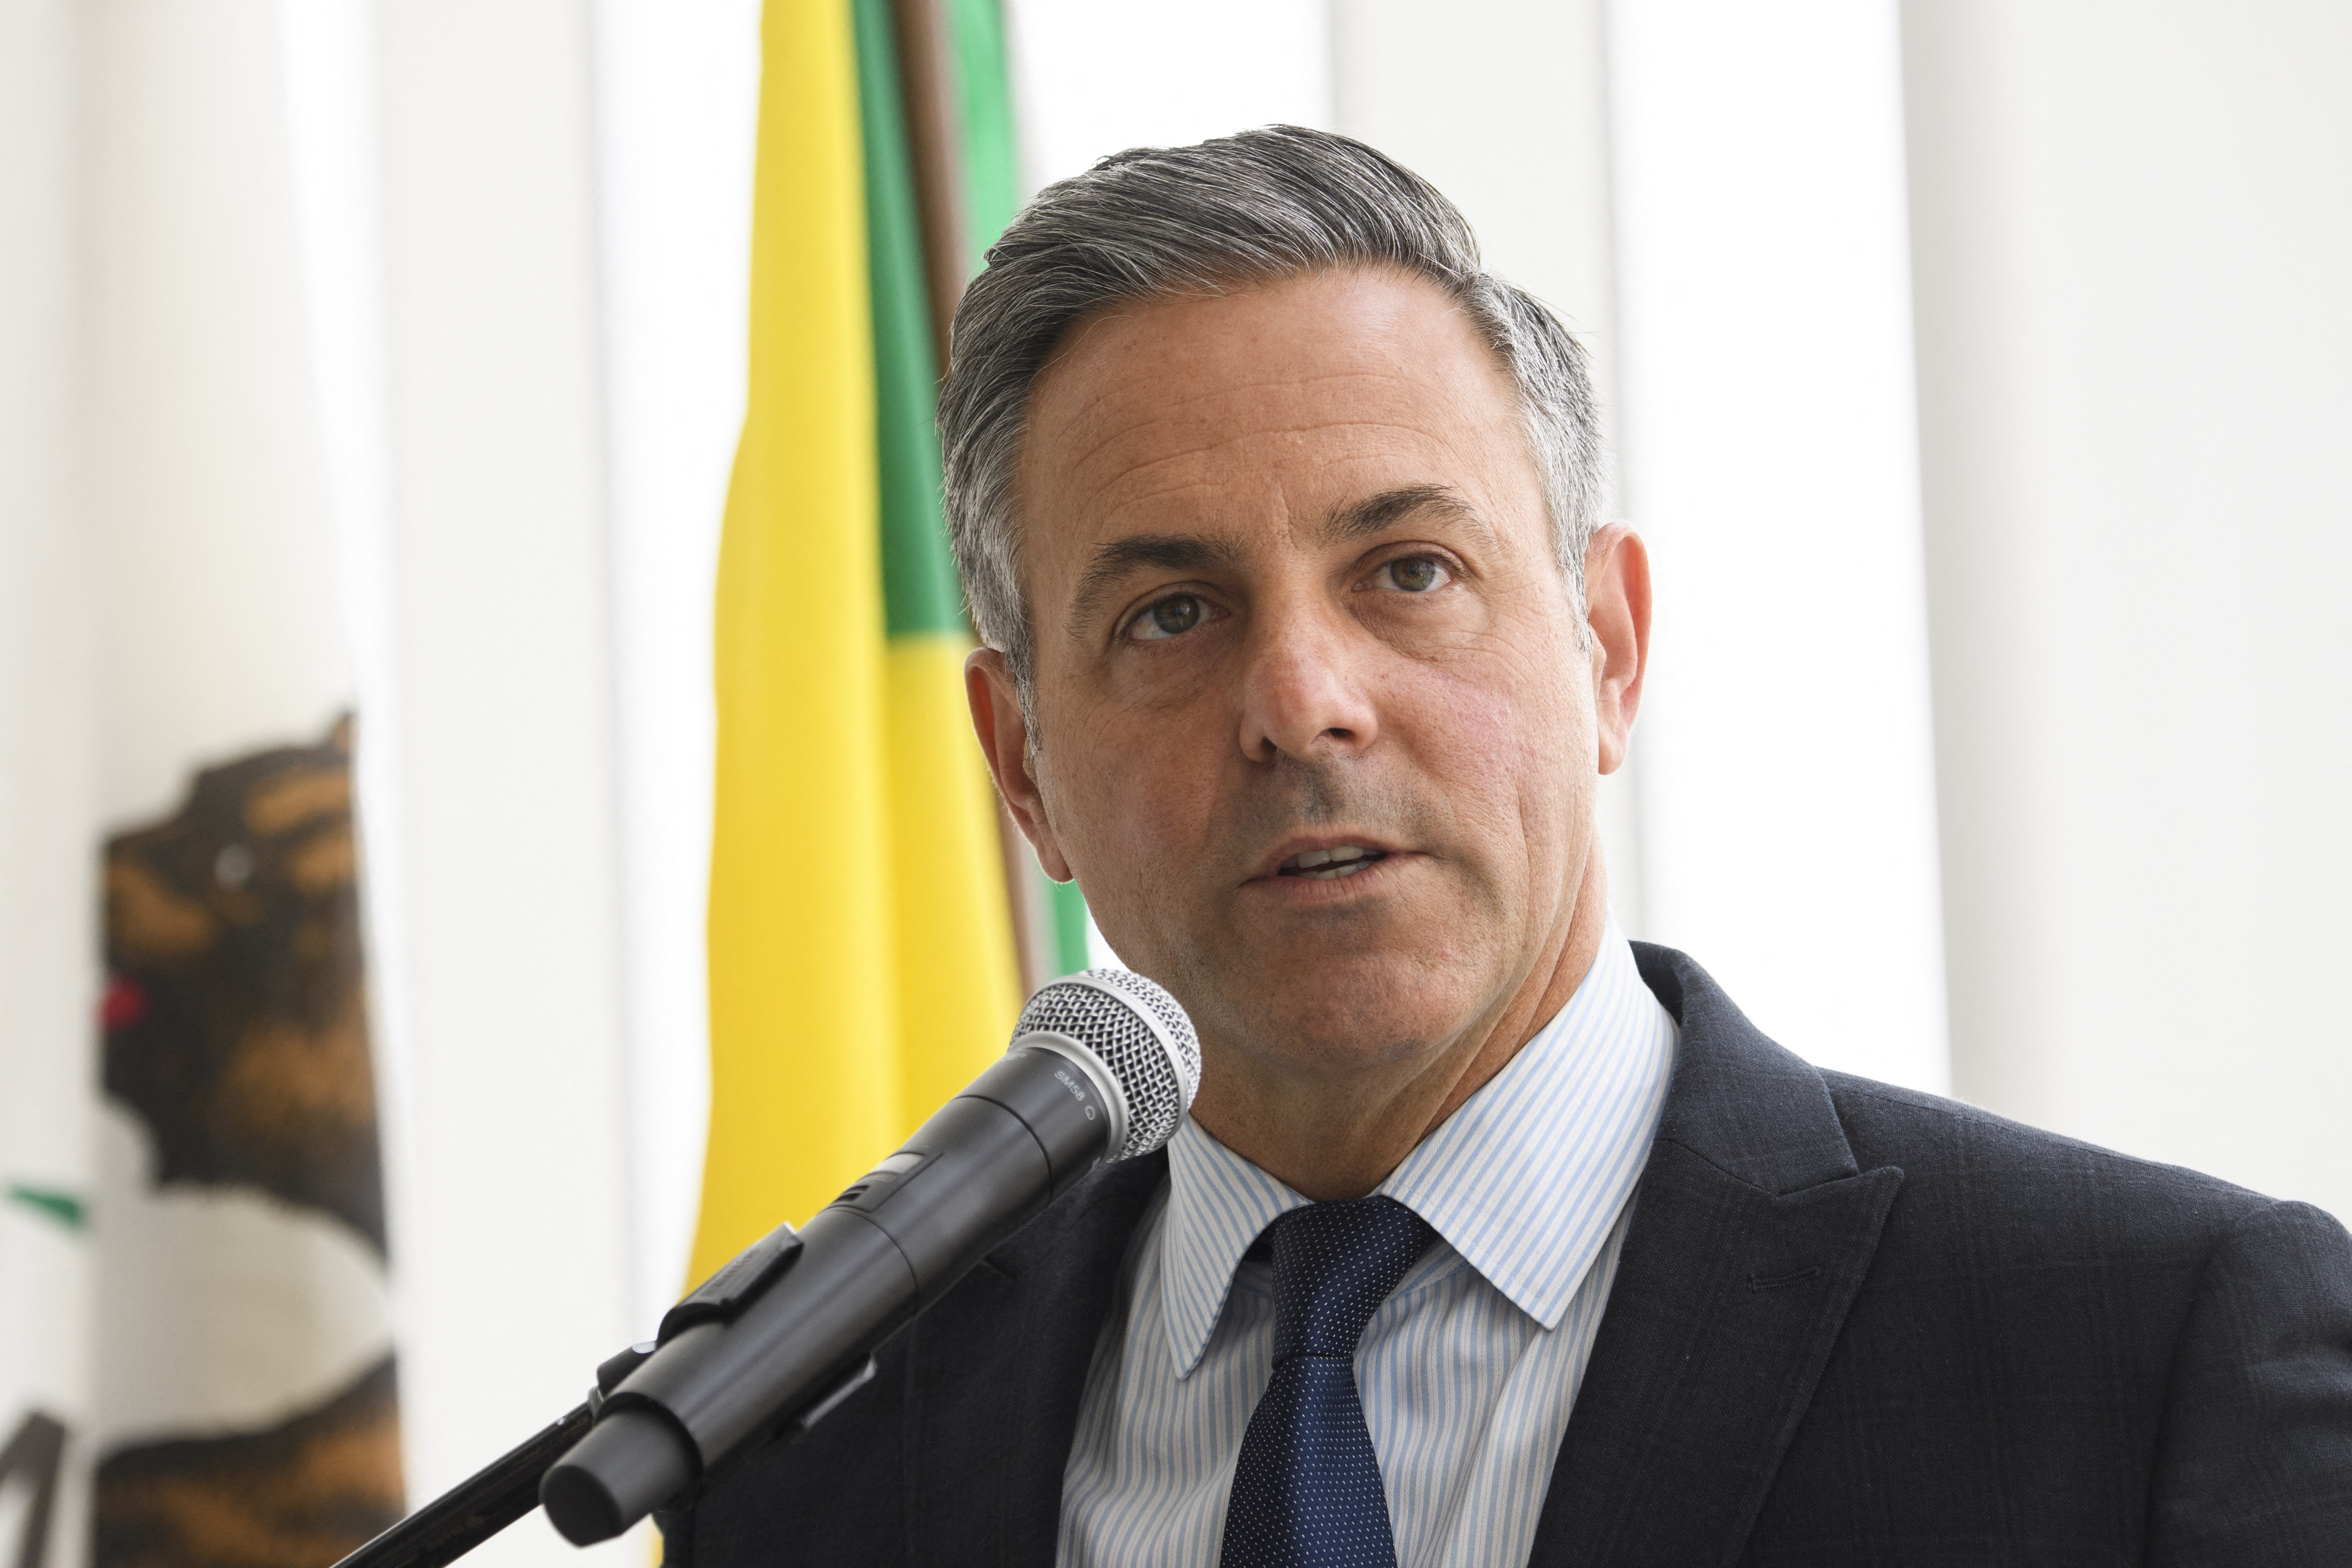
[{"x": 1492, "y": 1237}]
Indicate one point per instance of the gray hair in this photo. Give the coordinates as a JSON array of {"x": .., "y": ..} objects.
[{"x": 1160, "y": 221}]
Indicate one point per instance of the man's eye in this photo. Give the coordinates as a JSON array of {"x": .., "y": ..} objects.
[
  {"x": 1171, "y": 618},
  {"x": 1413, "y": 575}
]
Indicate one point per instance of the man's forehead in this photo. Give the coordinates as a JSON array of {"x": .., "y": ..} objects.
[{"x": 1333, "y": 389}]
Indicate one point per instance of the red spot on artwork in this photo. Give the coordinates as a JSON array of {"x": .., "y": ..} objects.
[{"x": 124, "y": 1004}]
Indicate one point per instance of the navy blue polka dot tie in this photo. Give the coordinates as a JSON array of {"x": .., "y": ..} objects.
[{"x": 1306, "y": 1492}]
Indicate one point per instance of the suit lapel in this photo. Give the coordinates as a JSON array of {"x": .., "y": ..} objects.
[
  {"x": 993, "y": 1386},
  {"x": 1752, "y": 1231}
]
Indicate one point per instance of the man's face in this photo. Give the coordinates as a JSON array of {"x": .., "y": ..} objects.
[{"x": 1315, "y": 727}]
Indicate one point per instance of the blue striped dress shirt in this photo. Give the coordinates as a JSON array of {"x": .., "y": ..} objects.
[{"x": 1467, "y": 1372}]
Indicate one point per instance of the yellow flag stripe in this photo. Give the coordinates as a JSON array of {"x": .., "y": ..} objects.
[
  {"x": 805, "y": 1084},
  {"x": 958, "y": 993}
]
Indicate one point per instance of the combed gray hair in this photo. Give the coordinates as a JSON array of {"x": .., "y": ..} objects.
[{"x": 1160, "y": 221}]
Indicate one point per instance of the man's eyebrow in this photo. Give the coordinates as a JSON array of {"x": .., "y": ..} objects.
[
  {"x": 1164, "y": 552},
  {"x": 1362, "y": 519}
]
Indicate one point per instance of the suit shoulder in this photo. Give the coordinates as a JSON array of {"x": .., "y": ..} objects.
[{"x": 1993, "y": 1167}]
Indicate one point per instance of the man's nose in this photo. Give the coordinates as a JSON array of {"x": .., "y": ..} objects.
[{"x": 1302, "y": 690}]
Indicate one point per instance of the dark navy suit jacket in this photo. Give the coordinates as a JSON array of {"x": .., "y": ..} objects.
[{"x": 1851, "y": 1324}]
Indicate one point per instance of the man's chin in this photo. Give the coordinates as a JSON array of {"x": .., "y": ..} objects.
[{"x": 1318, "y": 1001}]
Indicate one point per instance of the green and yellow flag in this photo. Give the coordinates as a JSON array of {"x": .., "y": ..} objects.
[
  {"x": 986, "y": 160},
  {"x": 861, "y": 950}
]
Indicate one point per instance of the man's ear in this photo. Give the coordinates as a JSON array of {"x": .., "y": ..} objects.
[
  {"x": 1003, "y": 733},
  {"x": 1617, "y": 600}
]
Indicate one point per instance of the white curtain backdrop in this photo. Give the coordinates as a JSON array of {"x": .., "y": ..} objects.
[
  {"x": 1770, "y": 444},
  {"x": 2133, "y": 226}
]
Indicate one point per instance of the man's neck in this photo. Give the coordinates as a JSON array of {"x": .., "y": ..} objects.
[{"x": 1339, "y": 1137}]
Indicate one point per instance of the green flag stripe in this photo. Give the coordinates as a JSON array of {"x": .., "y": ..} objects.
[
  {"x": 991, "y": 178},
  {"x": 992, "y": 194},
  {"x": 919, "y": 580},
  {"x": 63, "y": 1207},
  {"x": 1068, "y": 909}
]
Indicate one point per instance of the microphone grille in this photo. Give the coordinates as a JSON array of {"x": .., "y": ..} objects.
[{"x": 1140, "y": 1033}]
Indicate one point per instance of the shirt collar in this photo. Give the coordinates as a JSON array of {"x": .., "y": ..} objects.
[{"x": 1524, "y": 1181}]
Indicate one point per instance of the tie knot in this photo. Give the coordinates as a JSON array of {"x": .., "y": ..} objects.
[{"x": 1334, "y": 1264}]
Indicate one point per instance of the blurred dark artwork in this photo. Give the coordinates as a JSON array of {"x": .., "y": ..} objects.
[
  {"x": 302, "y": 1495},
  {"x": 236, "y": 1007},
  {"x": 236, "y": 1019}
]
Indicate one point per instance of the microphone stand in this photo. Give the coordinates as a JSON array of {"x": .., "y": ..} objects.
[
  {"x": 472, "y": 1511},
  {"x": 495, "y": 1496}
]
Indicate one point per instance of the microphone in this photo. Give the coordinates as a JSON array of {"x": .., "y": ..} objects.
[{"x": 1102, "y": 1066}]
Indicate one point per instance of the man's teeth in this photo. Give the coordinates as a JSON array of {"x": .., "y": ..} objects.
[{"x": 1330, "y": 865}]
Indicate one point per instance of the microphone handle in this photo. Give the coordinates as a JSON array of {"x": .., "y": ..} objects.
[{"x": 984, "y": 1165}]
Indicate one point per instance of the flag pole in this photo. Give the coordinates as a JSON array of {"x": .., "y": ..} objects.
[{"x": 927, "y": 88}]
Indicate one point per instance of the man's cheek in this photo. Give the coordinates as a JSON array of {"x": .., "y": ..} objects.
[
  {"x": 1473, "y": 735},
  {"x": 1134, "y": 827}
]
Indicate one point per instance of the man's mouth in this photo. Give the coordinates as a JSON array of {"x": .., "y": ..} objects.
[{"x": 1330, "y": 865}]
